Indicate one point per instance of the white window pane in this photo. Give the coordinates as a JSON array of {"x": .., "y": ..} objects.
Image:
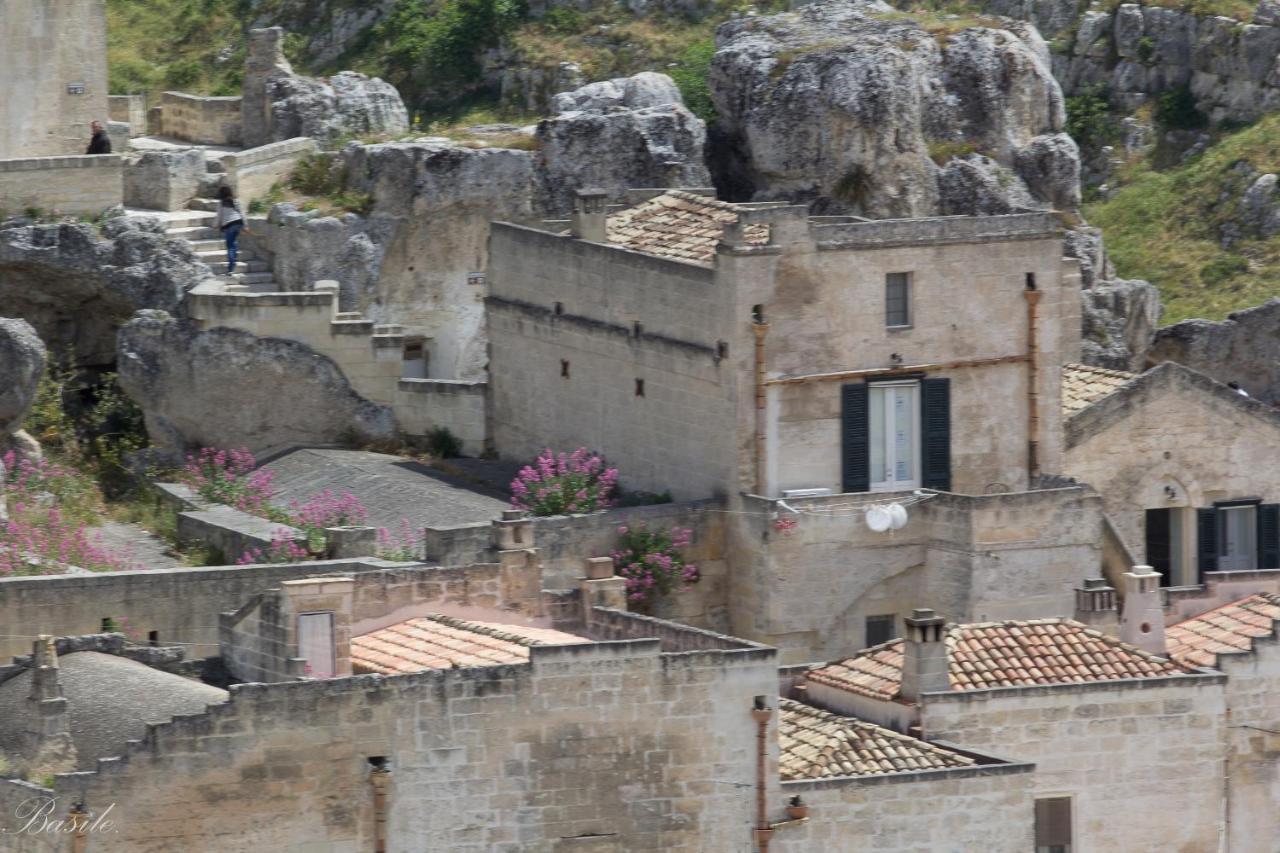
[
  {"x": 1240, "y": 543},
  {"x": 876, "y": 418},
  {"x": 315, "y": 643},
  {"x": 903, "y": 435}
]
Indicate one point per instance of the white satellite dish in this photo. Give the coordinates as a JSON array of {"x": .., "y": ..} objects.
[
  {"x": 878, "y": 519},
  {"x": 897, "y": 516}
]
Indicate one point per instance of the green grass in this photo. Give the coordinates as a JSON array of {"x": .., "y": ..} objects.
[
  {"x": 1165, "y": 227},
  {"x": 154, "y": 45}
]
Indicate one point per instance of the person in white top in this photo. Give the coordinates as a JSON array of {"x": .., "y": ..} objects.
[{"x": 229, "y": 221}]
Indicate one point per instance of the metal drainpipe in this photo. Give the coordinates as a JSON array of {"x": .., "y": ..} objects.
[
  {"x": 1033, "y": 379},
  {"x": 380, "y": 779},
  {"x": 763, "y": 831},
  {"x": 761, "y": 329},
  {"x": 80, "y": 820}
]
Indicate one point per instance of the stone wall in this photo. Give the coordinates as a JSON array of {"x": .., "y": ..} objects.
[
  {"x": 252, "y": 173},
  {"x": 963, "y": 809},
  {"x": 131, "y": 110},
  {"x": 1177, "y": 429},
  {"x": 260, "y": 641},
  {"x": 610, "y": 319},
  {"x": 1130, "y": 754},
  {"x": 1253, "y": 744},
  {"x": 809, "y": 590},
  {"x": 203, "y": 120},
  {"x": 76, "y": 186},
  {"x": 459, "y": 406},
  {"x": 1238, "y": 349},
  {"x": 231, "y": 533},
  {"x": 53, "y": 61},
  {"x": 182, "y": 605},
  {"x": 600, "y": 747}
]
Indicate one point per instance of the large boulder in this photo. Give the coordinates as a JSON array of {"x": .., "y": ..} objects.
[
  {"x": 163, "y": 180},
  {"x": 848, "y": 104},
  {"x": 1119, "y": 322},
  {"x": 227, "y": 388},
  {"x": 1243, "y": 348},
  {"x": 616, "y": 134},
  {"x": 22, "y": 363},
  {"x": 76, "y": 289}
]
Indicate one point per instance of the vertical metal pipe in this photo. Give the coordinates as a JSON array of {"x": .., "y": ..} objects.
[
  {"x": 763, "y": 831},
  {"x": 79, "y": 817},
  {"x": 380, "y": 778},
  {"x": 761, "y": 329},
  {"x": 1033, "y": 381}
]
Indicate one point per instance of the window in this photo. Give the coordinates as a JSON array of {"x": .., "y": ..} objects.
[
  {"x": 414, "y": 359},
  {"x": 639, "y": 387},
  {"x": 896, "y": 435},
  {"x": 1053, "y": 825},
  {"x": 1237, "y": 536},
  {"x": 564, "y": 368},
  {"x": 1164, "y": 537},
  {"x": 1238, "y": 544},
  {"x": 880, "y": 629},
  {"x": 897, "y": 300},
  {"x": 894, "y": 421},
  {"x": 315, "y": 643}
]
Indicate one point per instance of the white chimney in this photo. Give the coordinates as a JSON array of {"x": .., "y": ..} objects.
[
  {"x": 1142, "y": 617},
  {"x": 589, "y": 211}
]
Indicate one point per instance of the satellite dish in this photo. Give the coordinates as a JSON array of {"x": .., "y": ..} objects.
[
  {"x": 897, "y": 516},
  {"x": 878, "y": 519}
]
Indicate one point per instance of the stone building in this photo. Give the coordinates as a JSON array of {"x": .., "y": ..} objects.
[{"x": 53, "y": 61}]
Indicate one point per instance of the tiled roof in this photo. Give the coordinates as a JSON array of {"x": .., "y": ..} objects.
[
  {"x": 817, "y": 744},
  {"x": 1082, "y": 385},
  {"x": 442, "y": 642},
  {"x": 1003, "y": 654},
  {"x": 678, "y": 225},
  {"x": 1230, "y": 628}
]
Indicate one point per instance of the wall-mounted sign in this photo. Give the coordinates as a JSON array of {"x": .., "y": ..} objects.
[
  {"x": 476, "y": 279},
  {"x": 75, "y": 88}
]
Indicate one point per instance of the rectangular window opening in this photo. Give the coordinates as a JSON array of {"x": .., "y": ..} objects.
[
  {"x": 639, "y": 387},
  {"x": 897, "y": 300},
  {"x": 315, "y": 643},
  {"x": 895, "y": 435},
  {"x": 564, "y": 368},
  {"x": 880, "y": 629},
  {"x": 1053, "y": 825}
]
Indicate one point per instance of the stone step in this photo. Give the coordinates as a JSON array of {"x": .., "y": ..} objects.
[
  {"x": 219, "y": 266},
  {"x": 348, "y": 315},
  {"x": 257, "y": 279},
  {"x": 209, "y": 205},
  {"x": 197, "y": 232},
  {"x": 188, "y": 219},
  {"x": 215, "y": 244},
  {"x": 219, "y": 251}
]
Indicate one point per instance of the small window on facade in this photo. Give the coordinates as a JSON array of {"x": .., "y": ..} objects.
[
  {"x": 722, "y": 349},
  {"x": 880, "y": 629},
  {"x": 153, "y": 638},
  {"x": 897, "y": 299},
  {"x": 637, "y": 328},
  {"x": 559, "y": 308},
  {"x": 564, "y": 368},
  {"x": 1053, "y": 825},
  {"x": 639, "y": 387}
]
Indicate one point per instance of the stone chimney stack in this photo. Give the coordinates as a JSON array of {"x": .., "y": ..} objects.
[
  {"x": 1096, "y": 606},
  {"x": 1142, "y": 619},
  {"x": 590, "y": 207},
  {"x": 520, "y": 563},
  {"x": 924, "y": 655},
  {"x": 48, "y": 747}
]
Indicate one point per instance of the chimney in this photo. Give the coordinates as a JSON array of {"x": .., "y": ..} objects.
[
  {"x": 1096, "y": 605},
  {"x": 47, "y": 736},
  {"x": 589, "y": 211},
  {"x": 924, "y": 655},
  {"x": 1142, "y": 618}
]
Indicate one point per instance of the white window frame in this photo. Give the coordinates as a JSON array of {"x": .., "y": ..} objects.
[
  {"x": 325, "y": 668},
  {"x": 885, "y": 431},
  {"x": 909, "y": 286},
  {"x": 1252, "y": 546}
]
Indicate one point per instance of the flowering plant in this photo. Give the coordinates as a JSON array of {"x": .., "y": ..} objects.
[
  {"x": 228, "y": 477},
  {"x": 282, "y": 549},
  {"x": 577, "y": 482},
  {"x": 651, "y": 564},
  {"x": 401, "y": 547},
  {"x": 786, "y": 524}
]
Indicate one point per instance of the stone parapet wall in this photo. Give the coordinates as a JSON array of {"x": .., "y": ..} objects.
[
  {"x": 203, "y": 120},
  {"x": 251, "y": 173},
  {"x": 131, "y": 110},
  {"x": 77, "y": 186},
  {"x": 884, "y": 233},
  {"x": 461, "y": 407}
]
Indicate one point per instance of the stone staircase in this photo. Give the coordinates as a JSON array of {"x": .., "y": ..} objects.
[{"x": 195, "y": 225}]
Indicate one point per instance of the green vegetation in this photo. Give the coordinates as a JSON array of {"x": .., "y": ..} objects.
[
  {"x": 690, "y": 74},
  {"x": 1176, "y": 110},
  {"x": 319, "y": 182},
  {"x": 1090, "y": 120},
  {"x": 153, "y": 45},
  {"x": 941, "y": 152},
  {"x": 442, "y": 443},
  {"x": 1166, "y": 227}
]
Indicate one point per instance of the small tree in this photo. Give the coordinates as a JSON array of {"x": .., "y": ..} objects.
[{"x": 565, "y": 483}]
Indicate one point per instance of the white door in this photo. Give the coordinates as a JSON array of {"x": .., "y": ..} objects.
[
  {"x": 1239, "y": 548},
  {"x": 315, "y": 643},
  {"x": 895, "y": 436}
]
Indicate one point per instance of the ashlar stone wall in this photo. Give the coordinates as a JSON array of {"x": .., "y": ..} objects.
[
  {"x": 1253, "y": 745},
  {"x": 76, "y": 186}
]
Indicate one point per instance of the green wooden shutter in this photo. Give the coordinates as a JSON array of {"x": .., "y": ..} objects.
[
  {"x": 935, "y": 415},
  {"x": 1207, "y": 540},
  {"x": 1269, "y": 536},
  {"x": 855, "y": 438}
]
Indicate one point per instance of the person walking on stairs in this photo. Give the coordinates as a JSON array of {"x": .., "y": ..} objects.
[{"x": 229, "y": 221}]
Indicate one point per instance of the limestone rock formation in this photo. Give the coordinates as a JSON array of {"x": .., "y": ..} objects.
[
  {"x": 845, "y": 104},
  {"x": 22, "y": 363},
  {"x": 1244, "y": 348},
  {"x": 227, "y": 388},
  {"x": 977, "y": 185},
  {"x": 629, "y": 132},
  {"x": 1119, "y": 319},
  {"x": 279, "y": 104},
  {"x": 76, "y": 289},
  {"x": 163, "y": 180}
]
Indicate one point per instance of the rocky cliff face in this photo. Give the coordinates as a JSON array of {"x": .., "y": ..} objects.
[
  {"x": 76, "y": 289},
  {"x": 1242, "y": 348},
  {"x": 852, "y": 106},
  {"x": 227, "y": 388},
  {"x": 22, "y": 363},
  {"x": 1232, "y": 67}
]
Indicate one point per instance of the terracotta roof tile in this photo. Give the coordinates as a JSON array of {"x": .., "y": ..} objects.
[
  {"x": 442, "y": 642},
  {"x": 1003, "y": 654},
  {"x": 817, "y": 744},
  {"x": 1082, "y": 385},
  {"x": 678, "y": 225},
  {"x": 1227, "y": 629}
]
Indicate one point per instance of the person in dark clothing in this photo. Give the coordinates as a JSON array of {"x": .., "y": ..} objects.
[
  {"x": 229, "y": 221},
  {"x": 100, "y": 143}
]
